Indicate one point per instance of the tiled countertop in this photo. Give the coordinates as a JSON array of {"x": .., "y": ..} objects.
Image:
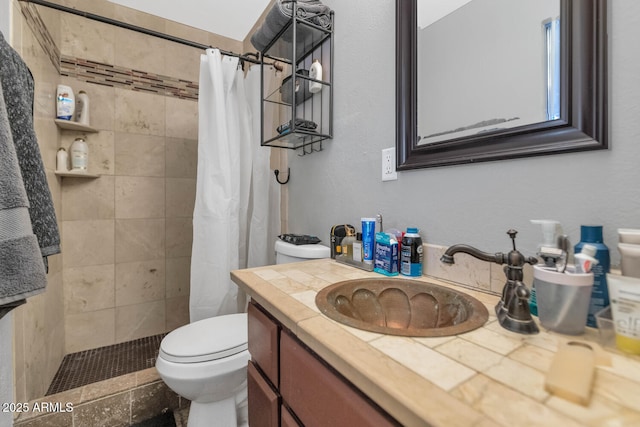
[{"x": 486, "y": 377}]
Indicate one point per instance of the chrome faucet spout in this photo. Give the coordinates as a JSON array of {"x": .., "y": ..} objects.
[{"x": 513, "y": 309}]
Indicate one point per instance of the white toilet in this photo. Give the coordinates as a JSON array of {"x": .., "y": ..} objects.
[{"x": 206, "y": 361}]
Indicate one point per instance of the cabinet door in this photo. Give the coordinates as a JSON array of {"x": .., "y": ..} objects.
[
  {"x": 318, "y": 396},
  {"x": 264, "y": 403},
  {"x": 263, "y": 342},
  {"x": 286, "y": 419}
]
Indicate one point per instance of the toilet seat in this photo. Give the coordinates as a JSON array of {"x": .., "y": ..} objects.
[{"x": 205, "y": 340}]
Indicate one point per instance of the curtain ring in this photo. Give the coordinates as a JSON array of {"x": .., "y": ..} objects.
[{"x": 277, "y": 172}]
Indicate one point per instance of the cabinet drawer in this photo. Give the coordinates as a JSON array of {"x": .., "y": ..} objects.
[
  {"x": 263, "y": 342},
  {"x": 286, "y": 419},
  {"x": 264, "y": 403},
  {"x": 319, "y": 396}
]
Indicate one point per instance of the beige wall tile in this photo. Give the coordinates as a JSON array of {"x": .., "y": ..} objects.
[
  {"x": 138, "y": 282},
  {"x": 139, "y": 51},
  {"x": 177, "y": 312},
  {"x": 89, "y": 242},
  {"x": 139, "y": 197},
  {"x": 135, "y": 17},
  {"x": 87, "y": 39},
  {"x": 138, "y": 112},
  {"x": 179, "y": 237},
  {"x": 181, "y": 158},
  {"x": 139, "y": 239},
  {"x": 180, "y": 197},
  {"x": 467, "y": 270},
  {"x": 181, "y": 118},
  {"x": 140, "y": 320},
  {"x": 89, "y": 288},
  {"x": 81, "y": 330},
  {"x": 87, "y": 199},
  {"x": 183, "y": 62},
  {"x": 178, "y": 276},
  {"x": 139, "y": 155}
]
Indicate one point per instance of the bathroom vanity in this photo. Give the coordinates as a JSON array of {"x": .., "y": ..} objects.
[{"x": 306, "y": 367}]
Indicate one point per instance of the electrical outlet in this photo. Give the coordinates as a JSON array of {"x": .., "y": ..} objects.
[{"x": 389, "y": 164}]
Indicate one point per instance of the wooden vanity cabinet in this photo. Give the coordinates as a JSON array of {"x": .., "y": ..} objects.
[{"x": 305, "y": 391}]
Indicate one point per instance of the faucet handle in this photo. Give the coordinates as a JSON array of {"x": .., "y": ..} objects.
[{"x": 512, "y": 233}]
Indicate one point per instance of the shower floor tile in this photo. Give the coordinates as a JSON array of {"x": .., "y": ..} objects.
[{"x": 98, "y": 364}]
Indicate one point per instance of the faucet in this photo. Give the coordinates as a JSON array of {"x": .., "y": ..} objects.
[{"x": 513, "y": 308}]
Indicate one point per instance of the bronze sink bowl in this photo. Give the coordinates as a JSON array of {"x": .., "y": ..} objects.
[{"x": 401, "y": 307}]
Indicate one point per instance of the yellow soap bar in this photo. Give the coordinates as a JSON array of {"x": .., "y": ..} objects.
[{"x": 571, "y": 373}]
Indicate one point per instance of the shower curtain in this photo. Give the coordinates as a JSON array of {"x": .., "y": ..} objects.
[{"x": 228, "y": 212}]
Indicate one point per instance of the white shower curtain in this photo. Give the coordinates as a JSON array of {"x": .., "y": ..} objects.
[{"x": 224, "y": 204}]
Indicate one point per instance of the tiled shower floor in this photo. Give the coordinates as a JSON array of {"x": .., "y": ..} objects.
[{"x": 98, "y": 364}]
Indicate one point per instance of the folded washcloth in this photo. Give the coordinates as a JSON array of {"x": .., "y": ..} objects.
[
  {"x": 280, "y": 15},
  {"x": 301, "y": 124}
]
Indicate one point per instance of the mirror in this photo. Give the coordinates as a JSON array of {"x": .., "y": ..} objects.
[{"x": 565, "y": 87}]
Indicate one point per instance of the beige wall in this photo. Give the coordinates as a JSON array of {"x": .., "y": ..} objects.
[{"x": 126, "y": 236}]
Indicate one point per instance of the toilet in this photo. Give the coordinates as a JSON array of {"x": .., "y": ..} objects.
[{"x": 206, "y": 361}]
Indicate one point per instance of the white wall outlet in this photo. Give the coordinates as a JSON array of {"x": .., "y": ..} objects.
[{"x": 389, "y": 164}]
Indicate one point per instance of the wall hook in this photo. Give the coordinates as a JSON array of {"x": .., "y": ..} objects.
[{"x": 277, "y": 172}]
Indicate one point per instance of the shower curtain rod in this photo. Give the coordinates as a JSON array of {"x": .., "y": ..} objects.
[{"x": 88, "y": 15}]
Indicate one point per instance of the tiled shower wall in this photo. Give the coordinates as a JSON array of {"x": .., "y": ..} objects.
[{"x": 126, "y": 236}]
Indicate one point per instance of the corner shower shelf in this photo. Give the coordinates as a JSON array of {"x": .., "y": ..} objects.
[
  {"x": 71, "y": 125},
  {"x": 71, "y": 174},
  {"x": 298, "y": 44}
]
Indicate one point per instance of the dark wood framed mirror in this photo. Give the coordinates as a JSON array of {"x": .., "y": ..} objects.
[{"x": 582, "y": 124}]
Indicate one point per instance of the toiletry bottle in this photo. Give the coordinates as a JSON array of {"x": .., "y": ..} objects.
[
  {"x": 592, "y": 234},
  {"x": 82, "y": 110},
  {"x": 315, "y": 72},
  {"x": 347, "y": 243},
  {"x": 368, "y": 239},
  {"x": 79, "y": 155},
  {"x": 62, "y": 160},
  {"x": 65, "y": 103},
  {"x": 584, "y": 260},
  {"x": 411, "y": 256},
  {"x": 357, "y": 248},
  {"x": 547, "y": 253}
]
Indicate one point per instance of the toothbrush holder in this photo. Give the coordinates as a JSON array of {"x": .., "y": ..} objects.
[{"x": 563, "y": 298}]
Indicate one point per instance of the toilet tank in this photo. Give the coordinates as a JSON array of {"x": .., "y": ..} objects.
[{"x": 288, "y": 252}]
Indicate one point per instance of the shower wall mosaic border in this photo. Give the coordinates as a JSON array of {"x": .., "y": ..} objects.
[
  {"x": 40, "y": 31},
  {"x": 105, "y": 74},
  {"x": 127, "y": 78}
]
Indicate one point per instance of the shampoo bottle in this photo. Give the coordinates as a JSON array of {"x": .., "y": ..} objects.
[
  {"x": 65, "y": 103},
  {"x": 82, "y": 115},
  {"x": 592, "y": 234},
  {"x": 79, "y": 155}
]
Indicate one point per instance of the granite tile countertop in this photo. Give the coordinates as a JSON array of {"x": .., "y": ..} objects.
[{"x": 486, "y": 377}]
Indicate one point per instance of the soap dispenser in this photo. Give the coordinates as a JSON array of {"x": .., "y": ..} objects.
[{"x": 347, "y": 243}]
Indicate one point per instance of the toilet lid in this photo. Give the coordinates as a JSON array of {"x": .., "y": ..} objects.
[{"x": 207, "y": 339}]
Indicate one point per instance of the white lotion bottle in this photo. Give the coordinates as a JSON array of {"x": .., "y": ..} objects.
[
  {"x": 62, "y": 160},
  {"x": 79, "y": 155},
  {"x": 82, "y": 109},
  {"x": 315, "y": 72}
]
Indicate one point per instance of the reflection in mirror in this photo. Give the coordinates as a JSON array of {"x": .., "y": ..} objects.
[
  {"x": 533, "y": 88},
  {"x": 502, "y": 71}
]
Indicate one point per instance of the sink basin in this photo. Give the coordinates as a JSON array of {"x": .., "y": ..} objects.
[{"x": 401, "y": 307}]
